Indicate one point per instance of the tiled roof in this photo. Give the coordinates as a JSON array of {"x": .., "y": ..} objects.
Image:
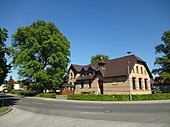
[
  {"x": 77, "y": 67},
  {"x": 14, "y": 82},
  {"x": 80, "y": 78},
  {"x": 115, "y": 67}
]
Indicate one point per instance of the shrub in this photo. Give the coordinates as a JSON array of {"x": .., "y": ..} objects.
[
  {"x": 23, "y": 92},
  {"x": 19, "y": 92},
  {"x": 28, "y": 93},
  {"x": 94, "y": 97},
  {"x": 157, "y": 96},
  {"x": 87, "y": 97},
  {"x": 47, "y": 95}
]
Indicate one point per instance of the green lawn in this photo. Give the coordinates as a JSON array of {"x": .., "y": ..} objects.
[{"x": 4, "y": 109}]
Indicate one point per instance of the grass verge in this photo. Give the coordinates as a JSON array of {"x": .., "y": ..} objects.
[{"x": 4, "y": 109}]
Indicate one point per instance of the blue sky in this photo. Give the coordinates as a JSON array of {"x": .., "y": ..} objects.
[{"x": 110, "y": 27}]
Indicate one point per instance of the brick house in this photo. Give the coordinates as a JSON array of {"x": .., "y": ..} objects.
[{"x": 117, "y": 76}]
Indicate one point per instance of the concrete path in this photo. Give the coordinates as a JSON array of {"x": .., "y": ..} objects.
[{"x": 21, "y": 118}]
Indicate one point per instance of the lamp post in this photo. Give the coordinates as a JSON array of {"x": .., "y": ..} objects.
[
  {"x": 129, "y": 81},
  {"x": 128, "y": 67}
]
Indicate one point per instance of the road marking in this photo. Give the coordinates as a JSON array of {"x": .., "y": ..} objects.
[
  {"x": 37, "y": 103},
  {"x": 89, "y": 107}
]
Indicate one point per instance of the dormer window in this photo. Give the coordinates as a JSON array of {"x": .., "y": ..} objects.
[{"x": 86, "y": 73}]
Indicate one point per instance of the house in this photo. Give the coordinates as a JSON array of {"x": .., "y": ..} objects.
[
  {"x": 161, "y": 85},
  {"x": 125, "y": 75},
  {"x": 15, "y": 84}
]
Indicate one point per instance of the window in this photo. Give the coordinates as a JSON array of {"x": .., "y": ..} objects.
[
  {"x": 89, "y": 84},
  {"x": 140, "y": 83},
  {"x": 71, "y": 75},
  {"x": 133, "y": 70},
  {"x": 141, "y": 70},
  {"x": 146, "y": 85},
  {"x": 134, "y": 82},
  {"x": 137, "y": 71},
  {"x": 86, "y": 73},
  {"x": 82, "y": 85}
]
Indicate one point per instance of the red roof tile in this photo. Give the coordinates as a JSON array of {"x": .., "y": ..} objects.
[{"x": 14, "y": 82}]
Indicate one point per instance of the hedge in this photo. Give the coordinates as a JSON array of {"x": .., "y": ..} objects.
[
  {"x": 93, "y": 97},
  {"x": 23, "y": 92},
  {"x": 47, "y": 95}
]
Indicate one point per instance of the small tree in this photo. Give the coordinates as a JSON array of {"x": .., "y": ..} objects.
[
  {"x": 98, "y": 57},
  {"x": 10, "y": 85},
  {"x": 164, "y": 61}
]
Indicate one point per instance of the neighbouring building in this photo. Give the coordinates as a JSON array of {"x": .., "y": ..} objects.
[
  {"x": 15, "y": 84},
  {"x": 124, "y": 75},
  {"x": 161, "y": 85}
]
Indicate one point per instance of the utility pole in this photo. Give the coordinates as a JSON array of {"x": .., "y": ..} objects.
[{"x": 128, "y": 67}]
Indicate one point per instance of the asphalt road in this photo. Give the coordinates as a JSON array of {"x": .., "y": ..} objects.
[{"x": 157, "y": 113}]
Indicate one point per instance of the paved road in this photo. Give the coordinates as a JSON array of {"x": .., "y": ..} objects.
[
  {"x": 147, "y": 113},
  {"x": 156, "y": 114},
  {"x": 21, "y": 118}
]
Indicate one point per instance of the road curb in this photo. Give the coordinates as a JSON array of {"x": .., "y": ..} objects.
[{"x": 9, "y": 110}]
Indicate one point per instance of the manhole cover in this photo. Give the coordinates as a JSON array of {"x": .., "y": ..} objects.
[{"x": 107, "y": 111}]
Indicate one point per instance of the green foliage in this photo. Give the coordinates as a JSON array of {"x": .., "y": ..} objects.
[
  {"x": 23, "y": 92},
  {"x": 4, "y": 68},
  {"x": 10, "y": 85},
  {"x": 19, "y": 92},
  {"x": 164, "y": 61},
  {"x": 93, "y": 97},
  {"x": 41, "y": 53},
  {"x": 47, "y": 95},
  {"x": 98, "y": 57},
  {"x": 157, "y": 96}
]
